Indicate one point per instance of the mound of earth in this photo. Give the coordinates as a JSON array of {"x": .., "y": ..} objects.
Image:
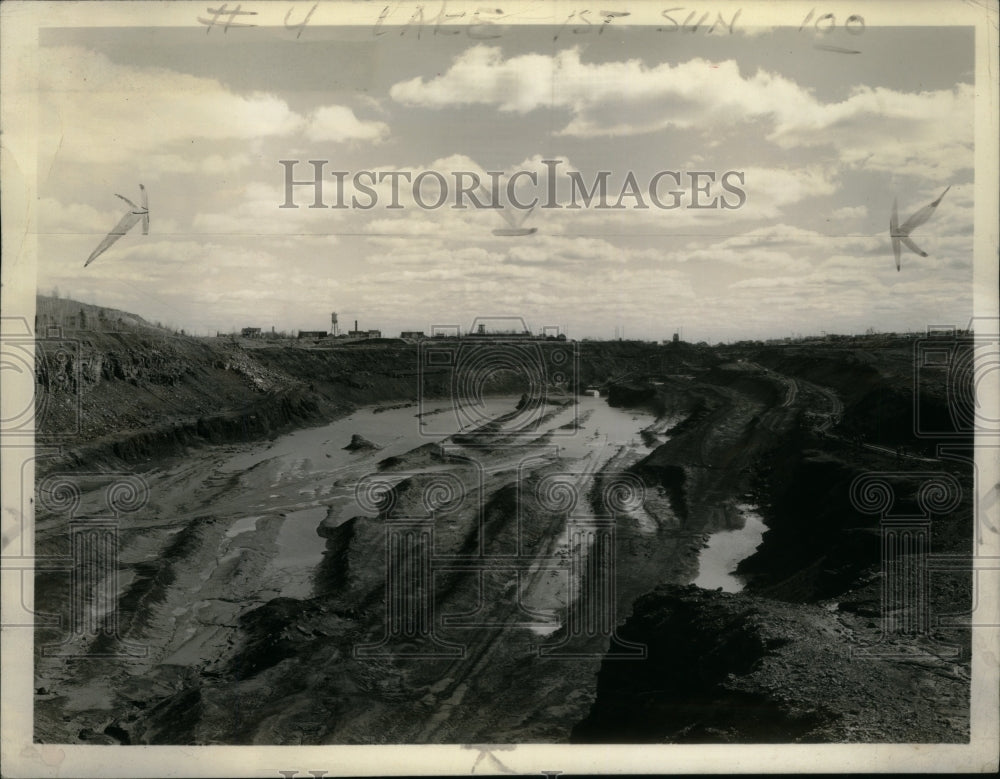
[
  {"x": 422, "y": 456},
  {"x": 359, "y": 443},
  {"x": 735, "y": 668}
]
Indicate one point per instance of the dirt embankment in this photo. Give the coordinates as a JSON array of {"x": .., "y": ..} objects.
[
  {"x": 116, "y": 390},
  {"x": 819, "y": 544},
  {"x": 890, "y": 393},
  {"x": 130, "y": 397},
  {"x": 781, "y": 661},
  {"x": 727, "y": 668},
  {"x": 728, "y": 419}
]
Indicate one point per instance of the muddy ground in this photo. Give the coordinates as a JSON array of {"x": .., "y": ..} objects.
[{"x": 248, "y": 601}]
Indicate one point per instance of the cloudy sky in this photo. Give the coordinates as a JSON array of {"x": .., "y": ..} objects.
[{"x": 825, "y": 141}]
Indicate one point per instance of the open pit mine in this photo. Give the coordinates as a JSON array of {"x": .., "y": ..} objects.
[{"x": 459, "y": 541}]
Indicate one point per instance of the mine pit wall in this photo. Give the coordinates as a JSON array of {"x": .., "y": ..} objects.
[
  {"x": 263, "y": 419},
  {"x": 818, "y": 545},
  {"x": 195, "y": 393},
  {"x": 729, "y": 668},
  {"x": 878, "y": 394},
  {"x": 128, "y": 398}
]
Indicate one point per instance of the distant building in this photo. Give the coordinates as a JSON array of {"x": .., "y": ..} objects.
[
  {"x": 482, "y": 332},
  {"x": 446, "y": 331},
  {"x": 412, "y": 334},
  {"x": 312, "y": 333},
  {"x": 250, "y": 332},
  {"x": 364, "y": 333}
]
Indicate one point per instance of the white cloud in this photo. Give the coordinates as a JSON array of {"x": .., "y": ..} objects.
[
  {"x": 569, "y": 251},
  {"x": 481, "y": 75},
  {"x": 572, "y": 281},
  {"x": 927, "y": 133},
  {"x": 57, "y": 217},
  {"x": 775, "y": 188},
  {"x": 103, "y": 111},
  {"x": 54, "y": 216},
  {"x": 850, "y": 213},
  {"x": 338, "y": 123},
  {"x": 254, "y": 210},
  {"x": 96, "y": 110}
]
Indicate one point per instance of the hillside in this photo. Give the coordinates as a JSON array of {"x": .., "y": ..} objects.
[{"x": 120, "y": 389}]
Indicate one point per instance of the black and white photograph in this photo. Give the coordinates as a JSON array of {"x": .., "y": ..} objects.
[{"x": 535, "y": 388}]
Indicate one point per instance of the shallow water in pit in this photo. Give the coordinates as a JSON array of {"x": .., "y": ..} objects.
[
  {"x": 395, "y": 430},
  {"x": 726, "y": 548},
  {"x": 308, "y": 472},
  {"x": 244, "y": 525},
  {"x": 299, "y": 551},
  {"x": 601, "y": 430}
]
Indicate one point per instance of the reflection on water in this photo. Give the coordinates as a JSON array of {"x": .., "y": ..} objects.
[
  {"x": 299, "y": 551},
  {"x": 308, "y": 472},
  {"x": 244, "y": 525},
  {"x": 726, "y": 548}
]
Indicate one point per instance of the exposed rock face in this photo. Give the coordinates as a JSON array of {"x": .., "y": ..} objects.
[
  {"x": 360, "y": 443},
  {"x": 737, "y": 668}
]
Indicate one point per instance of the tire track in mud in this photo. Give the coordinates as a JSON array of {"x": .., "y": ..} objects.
[
  {"x": 501, "y": 686},
  {"x": 714, "y": 489},
  {"x": 490, "y": 649},
  {"x": 160, "y": 552}
]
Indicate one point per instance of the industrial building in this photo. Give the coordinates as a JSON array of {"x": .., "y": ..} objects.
[
  {"x": 480, "y": 331},
  {"x": 358, "y": 333}
]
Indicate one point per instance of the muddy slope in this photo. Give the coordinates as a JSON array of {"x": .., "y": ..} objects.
[
  {"x": 801, "y": 655},
  {"x": 728, "y": 668}
]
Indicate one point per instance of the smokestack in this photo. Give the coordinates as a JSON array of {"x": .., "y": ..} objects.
[{"x": 355, "y": 325}]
